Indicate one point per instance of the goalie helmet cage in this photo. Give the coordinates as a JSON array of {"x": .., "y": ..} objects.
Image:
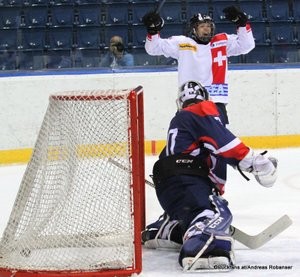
[{"x": 77, "y": 213}]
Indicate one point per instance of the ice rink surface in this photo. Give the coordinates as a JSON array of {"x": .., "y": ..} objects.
[{"x": 254, "y": 208}]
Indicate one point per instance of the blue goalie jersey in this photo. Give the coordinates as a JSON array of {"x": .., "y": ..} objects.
[{"x": 197, "y": 130}]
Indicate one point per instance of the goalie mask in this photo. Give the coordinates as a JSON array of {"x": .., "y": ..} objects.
[
  {"x": 201, "y": 36},
  {"x": 191, "y": 92}
]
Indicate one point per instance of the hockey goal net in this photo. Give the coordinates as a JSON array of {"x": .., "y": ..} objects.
[{"x": 78, "y": 212}]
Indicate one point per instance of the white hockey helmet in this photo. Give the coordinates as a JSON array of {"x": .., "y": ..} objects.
[{"x": 191, "y": 92}]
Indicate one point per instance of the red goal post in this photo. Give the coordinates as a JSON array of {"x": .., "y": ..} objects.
[{"x": 77, "y": 213}]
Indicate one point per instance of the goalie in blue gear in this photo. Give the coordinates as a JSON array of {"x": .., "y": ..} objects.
[{"x": 197, "y": 218}]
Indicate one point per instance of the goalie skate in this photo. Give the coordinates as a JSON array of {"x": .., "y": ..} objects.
[
  {"x": 163, "y": 234},
  {"x": 162, "y": 244},
  {"x": 209, "y": 264}
]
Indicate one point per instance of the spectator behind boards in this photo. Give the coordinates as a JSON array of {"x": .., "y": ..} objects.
[{"x": 117, "y": 56}]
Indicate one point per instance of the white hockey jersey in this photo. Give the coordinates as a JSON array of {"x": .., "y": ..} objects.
[{"x": 207, "y": 64}]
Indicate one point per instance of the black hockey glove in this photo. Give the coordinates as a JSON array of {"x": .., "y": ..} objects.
[
  {"x": 235, "y": 15},
  {"x": 153, "y": 22}
]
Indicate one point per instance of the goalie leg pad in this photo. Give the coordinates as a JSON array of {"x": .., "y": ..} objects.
[{"x": 207, "y": 243}]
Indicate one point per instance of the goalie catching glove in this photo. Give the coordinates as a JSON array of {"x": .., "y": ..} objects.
[
  {"x": 264, "y": 169},
  {"x": 235, "y": 15},
  {"x": 153, "y": 22}
]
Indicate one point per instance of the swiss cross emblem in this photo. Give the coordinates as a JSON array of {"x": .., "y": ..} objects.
[{"x": 220, "y": 58}]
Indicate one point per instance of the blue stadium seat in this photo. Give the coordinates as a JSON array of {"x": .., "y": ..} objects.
[
  {"x": 171, "y": 12},
  {"x": 172, "y": 30},
  {"x": 83, "y": 2},
  {"x": 87, "y": 58},
  {"x": 88, "y": 37},
  {"x": 10, "y": 17},
  {"x": 59, "y": 59},
  {"x": 7, "y": 60},
  {"x": 253, "y": 9},
  {"x": 218, "y": 7},
  {"x": 194, "y": 7},
  {"x": 297, "y": 33},
  {"x": 154, "y": 3},
  {"x": 62, "y": 2},
  {"x": 260, "y": 33},
  {"x": 31, "y": 60},
  {"x": 282, "y": 33},
  {"x": 296, "y": 10},
  {"x": 89, "y": 15},
  {"x": 117, "y": 13},
  {"x": 60, "y": 38},
  {"x": 286, "y": 54},
  {"x": 260, "y": 54},
  {"x": 8, "y": 39},
  {"x": 162, "y": 60},
  {"x": 35, "y": 16},
  {"x": 33, "y": 38},
  {"x": 225, "y": 27},
  {"x": 235, "y": 59},
  {"x": 38, "y": 2},
  {"x": 13, "y": 3},
  {"x": 141, "y": 58},
  {"x": 278, "y": 10},
  {"x": 139, "y": 9},
  {"x": 139, "y": 34},
  {"x": 62, "y": 15}
]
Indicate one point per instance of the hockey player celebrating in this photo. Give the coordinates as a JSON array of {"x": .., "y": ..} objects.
[
  {"x": 203, "y": 56},
  {"x": 186, "y": 188}
]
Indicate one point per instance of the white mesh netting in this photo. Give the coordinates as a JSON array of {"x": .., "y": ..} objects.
[{"x": 73, "y": 210}]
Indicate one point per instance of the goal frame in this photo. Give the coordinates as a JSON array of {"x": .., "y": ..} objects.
[{"x": 136, "y": 130}]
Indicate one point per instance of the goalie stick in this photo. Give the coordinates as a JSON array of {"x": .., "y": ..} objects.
[
  {"x": 264, "y": 236},
  {"x": 251, "y": 241}
]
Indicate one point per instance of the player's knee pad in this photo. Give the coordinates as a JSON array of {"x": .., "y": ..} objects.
[{"x": 164, "y": 233}]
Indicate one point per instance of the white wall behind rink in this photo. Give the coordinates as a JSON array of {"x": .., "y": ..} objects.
[{"x": 262, "y": 102}]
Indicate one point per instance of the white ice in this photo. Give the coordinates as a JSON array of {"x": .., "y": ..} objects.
[{"x": 254, "y": 208}]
